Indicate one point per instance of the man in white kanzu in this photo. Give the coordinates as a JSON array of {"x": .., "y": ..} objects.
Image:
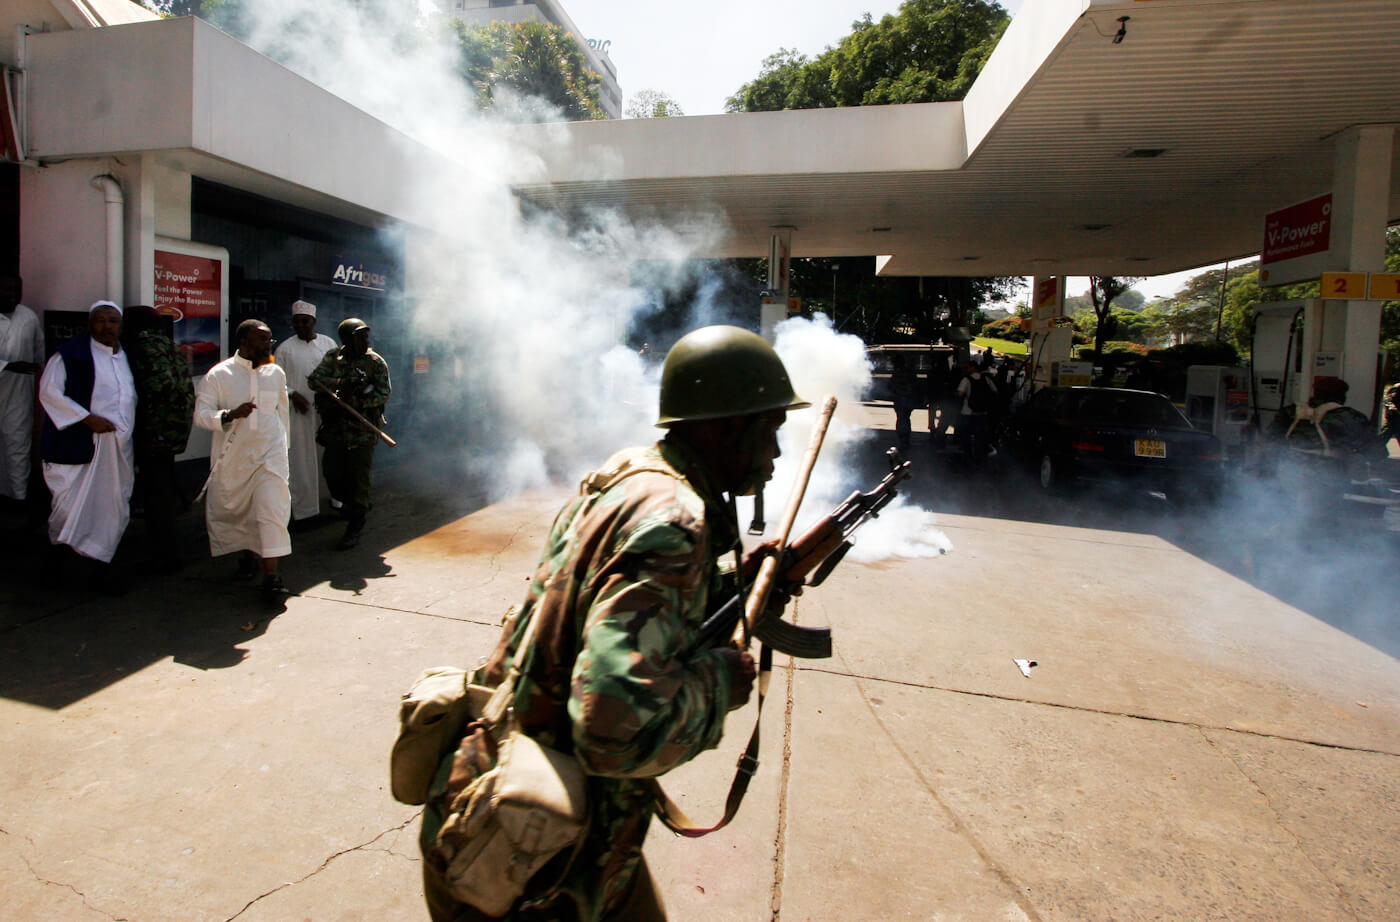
[
  {"x": 21, "y": 360},
  {"x": 89, "y": 403},
  {"x": 297, "y": 357},
  {"x": 243, "y": 401}
]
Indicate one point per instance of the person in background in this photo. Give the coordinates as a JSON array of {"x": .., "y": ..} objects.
[
  {"x": 298, "y": 357},
  {"x": 978, "y": 395},
  {"x": 164, "y": 408},
  {"x": 1392, "y": 412},
  {"x": 89, "y": 401},
  {"x": 904, "y": 387},
  {"x": 21, "y": 360},
  {"x": 357, "y": 377},
  {"x": 243, "y": 401}
]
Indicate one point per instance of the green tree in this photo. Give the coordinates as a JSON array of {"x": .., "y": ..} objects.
[
  {"x": 652, "y": 104},
  {"x": 930, "y": 51},
  {"x": 174, "y": 8},
  {"x": 1103, "y": 289},
  {"x": 1181, "y": 320},
  {"x": 528, "y": 61}
]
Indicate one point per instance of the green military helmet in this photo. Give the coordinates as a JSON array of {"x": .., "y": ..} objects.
[
  {"x": 349, "y": 327},
  {"x": 722, "y": 371}
]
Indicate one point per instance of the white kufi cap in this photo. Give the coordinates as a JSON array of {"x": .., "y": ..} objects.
[
  {"x": 96, "y": 304},
  {"x": 303, "y": 307}
]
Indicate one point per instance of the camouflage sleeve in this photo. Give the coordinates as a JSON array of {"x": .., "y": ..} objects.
[
  {"x": 376, "y": 390},
  {"x": 325, "y": 376},
  {"x": 638, "y": 706}
]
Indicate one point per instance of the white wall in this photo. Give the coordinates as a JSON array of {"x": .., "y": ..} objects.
[
  {"x": 182, "y": 85},
  {"x": 63, "y": 235}
]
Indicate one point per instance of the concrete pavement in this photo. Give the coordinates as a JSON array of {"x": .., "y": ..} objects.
[{"x": 1187, "y": 747}]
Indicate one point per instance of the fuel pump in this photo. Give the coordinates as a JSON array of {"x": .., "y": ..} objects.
[{"x": 1276, "y": 359}]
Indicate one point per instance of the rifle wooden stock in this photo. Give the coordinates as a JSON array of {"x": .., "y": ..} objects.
[
  {"x": 356, "y": 413},
  {"x": 768, "y": 570}
]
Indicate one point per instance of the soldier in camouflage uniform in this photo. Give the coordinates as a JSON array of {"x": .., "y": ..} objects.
[
  {"x": 164, "y": 407},
  {"x": 627, "y": 576},
  {"x": 359, "y": 376}
]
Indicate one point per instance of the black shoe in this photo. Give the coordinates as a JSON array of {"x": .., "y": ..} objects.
[
  {"x": 352, "y": 532},
  {"x": 273, "y": 586},
  {"x": 247, "y": 567}
]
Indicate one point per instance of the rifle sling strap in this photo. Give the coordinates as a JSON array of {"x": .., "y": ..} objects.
[
  {"x": 674, "y": 817},
  {"x": 621, "y": 466}
]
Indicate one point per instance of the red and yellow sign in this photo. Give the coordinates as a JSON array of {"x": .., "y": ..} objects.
[
  {"x": 1347, "y": 285},
  {"x": 1385, "y": 286}
]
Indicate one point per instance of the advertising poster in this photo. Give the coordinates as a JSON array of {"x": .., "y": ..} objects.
[{"x": 189, "y": 290}]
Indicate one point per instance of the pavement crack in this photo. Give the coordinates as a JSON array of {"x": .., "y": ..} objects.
[
  {"x": 775, "y": 899},
  {"x": 39, "y": 878},
  {"x": 1016, "y": 892},
  {"x": 341, "y": 600},
  {"x": 1109, "y": 712},
  {"x": 496, "y": 556},
  {"x": 363, "y": 846},
  {"x": 1278, "y": 819}
]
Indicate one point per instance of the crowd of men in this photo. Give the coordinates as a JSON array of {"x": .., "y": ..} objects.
[{"x": 117, "y": 405}]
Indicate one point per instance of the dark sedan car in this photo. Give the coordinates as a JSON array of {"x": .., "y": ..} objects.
[{"x": 1104, "y": 432}]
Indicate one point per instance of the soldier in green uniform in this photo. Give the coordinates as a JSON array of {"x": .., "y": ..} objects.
[
  {"x": 164, "y": 407},
  {"x": 359, "y": 376},
  {"x": 627, "y": 575}
]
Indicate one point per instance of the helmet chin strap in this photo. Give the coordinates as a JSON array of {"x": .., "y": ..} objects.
[
  {"x": 757, "y": 526},
  {"x": 752, "y": 480}
]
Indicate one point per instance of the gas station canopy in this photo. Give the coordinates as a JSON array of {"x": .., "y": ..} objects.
[{"x": 1103, "y": 137}]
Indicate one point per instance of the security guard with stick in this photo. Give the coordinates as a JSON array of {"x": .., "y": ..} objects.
[{"x": 352, "y": 387}]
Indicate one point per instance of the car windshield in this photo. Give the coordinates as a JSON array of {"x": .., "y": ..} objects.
[{"x": 1128, "y": 408}]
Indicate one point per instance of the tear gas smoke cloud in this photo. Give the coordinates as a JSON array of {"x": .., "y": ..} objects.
[
  {"x": 821, "y": 361},
  {"x": 522, "y": 316}
]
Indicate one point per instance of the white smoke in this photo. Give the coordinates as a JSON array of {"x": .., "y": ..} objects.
[
  {"x": 525, "y": 314},
  {"x": 823, "y": 362}
]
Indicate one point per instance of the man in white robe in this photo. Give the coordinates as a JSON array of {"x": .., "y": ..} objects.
[
  {"x": 21, "y": 360},
  {"x": 243, "y": 401},
  {"x": 89, "y": 402},
  {"x": 298, "y": 357}
]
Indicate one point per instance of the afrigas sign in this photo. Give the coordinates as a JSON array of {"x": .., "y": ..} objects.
[{"x": 360, "y": 275}]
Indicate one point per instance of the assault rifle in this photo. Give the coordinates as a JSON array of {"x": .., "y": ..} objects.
[{"x": 808, "y": 560}]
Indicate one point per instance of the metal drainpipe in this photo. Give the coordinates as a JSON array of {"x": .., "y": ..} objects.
[{"x": 116, "y": 251}]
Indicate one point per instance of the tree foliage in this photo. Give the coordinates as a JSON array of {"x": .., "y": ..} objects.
[
  {"x": 1103, "y": 289},
  {"x": 228, "y": 15},
  {"x": 525, "y": 62},
  {"x": 652, "y": 104},
  {"x": 930, "y": 51}
]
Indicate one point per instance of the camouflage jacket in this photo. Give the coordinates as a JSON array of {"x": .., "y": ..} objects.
[
  {"x": 363, "y": 383},
  {"x": 621, "y": 590},
  {"x": 164, "y": 391}
]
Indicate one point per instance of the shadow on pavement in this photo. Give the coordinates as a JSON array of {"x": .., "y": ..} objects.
[{"x": 61, "y": 643}]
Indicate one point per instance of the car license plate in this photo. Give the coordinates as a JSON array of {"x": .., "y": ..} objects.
[{"x": 1150, "y": 448}]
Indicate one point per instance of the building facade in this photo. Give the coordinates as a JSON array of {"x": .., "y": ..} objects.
[{"x": 134, "y": 169}]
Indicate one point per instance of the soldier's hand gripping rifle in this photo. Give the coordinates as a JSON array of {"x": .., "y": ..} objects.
[{"x": 808, "y": 560}]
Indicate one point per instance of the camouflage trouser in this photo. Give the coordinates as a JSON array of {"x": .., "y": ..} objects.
[
  {"x": 348, "y": 471},
  {"x": 643, "y": 903}
]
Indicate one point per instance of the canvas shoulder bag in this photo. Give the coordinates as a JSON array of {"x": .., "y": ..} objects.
[{"x": 512, "y": 820}]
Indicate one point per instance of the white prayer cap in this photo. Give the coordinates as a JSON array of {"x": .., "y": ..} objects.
[
  {"x": 97, "y": 304},
  {"x": 303, "y": 307}
]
